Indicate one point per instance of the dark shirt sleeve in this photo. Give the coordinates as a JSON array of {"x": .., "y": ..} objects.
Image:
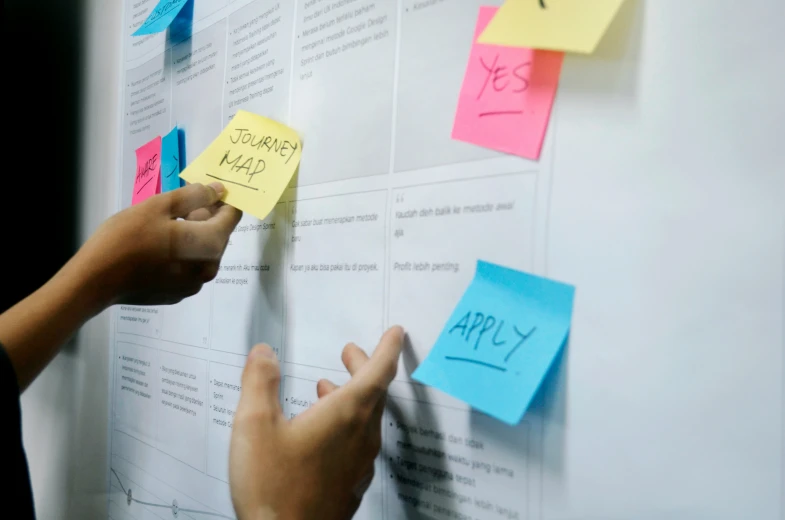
[{"x": 20, "y": 494}]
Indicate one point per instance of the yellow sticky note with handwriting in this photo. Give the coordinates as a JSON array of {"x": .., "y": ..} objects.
[
  {"x": 557, "y": 25},
  {"x": 254, "y": 158}
]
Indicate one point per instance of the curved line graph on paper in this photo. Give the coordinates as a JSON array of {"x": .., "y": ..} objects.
[{"x": 175, "y": 509}]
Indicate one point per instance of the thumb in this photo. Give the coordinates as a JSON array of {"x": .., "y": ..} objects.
[{"x": 261, "y": 380}]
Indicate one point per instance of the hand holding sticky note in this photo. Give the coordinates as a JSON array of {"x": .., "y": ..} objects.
[
  {"x": 507, "y": 95},
  {"x": 254, "y": 157},
  {"x": 559, "y": 25},
  {"x": 147, "y": 181},
  {"x": 500, "y": 341}
]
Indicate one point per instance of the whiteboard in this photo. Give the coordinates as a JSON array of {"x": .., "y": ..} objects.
[{"x": 659, "y": 195}]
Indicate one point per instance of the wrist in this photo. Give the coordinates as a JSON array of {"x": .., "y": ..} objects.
[
  {"x": 91, "y": 280},
  {"x": 33, "y": 329}
]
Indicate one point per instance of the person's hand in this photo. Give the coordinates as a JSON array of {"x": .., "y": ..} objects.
[
  {"x": 145, "y": 255},
  {"x": 319, "y": 464}
]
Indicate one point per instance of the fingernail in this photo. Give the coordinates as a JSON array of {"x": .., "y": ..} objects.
[
  {"x": 218, "y": 187},
  {"x": 262, "y": 351}
]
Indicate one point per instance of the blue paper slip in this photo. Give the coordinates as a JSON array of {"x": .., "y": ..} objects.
[
  {"x": 170, "y": 161},
  {"x": 160, "y": 17},
  {"x": 500, "y": 341}
]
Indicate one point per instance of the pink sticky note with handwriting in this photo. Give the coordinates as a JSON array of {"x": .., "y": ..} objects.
[
  {"x": 507, "y": 95},
  {"x": 148, "y": 171}
]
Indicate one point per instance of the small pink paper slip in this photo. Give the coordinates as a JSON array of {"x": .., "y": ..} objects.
[
  {"x": 507, "y": 95},
  {"x": 148, "y": 171}
]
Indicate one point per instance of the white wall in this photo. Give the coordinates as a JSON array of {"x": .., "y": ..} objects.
[{"x": 65, "y": 412}]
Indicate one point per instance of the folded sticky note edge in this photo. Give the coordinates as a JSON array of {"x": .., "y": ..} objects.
[
  {"x": 163, "y": 21},
  {"x": 524, "y": 23}
]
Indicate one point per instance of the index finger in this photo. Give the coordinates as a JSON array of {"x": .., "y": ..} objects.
[
  {"x": 206, "y": 239},
  {"x": 222, "y": 221},
  {"x": 225, "y": 218},
  {"x": 183, "y": 201},
  {"x": 378, "y": 372}
]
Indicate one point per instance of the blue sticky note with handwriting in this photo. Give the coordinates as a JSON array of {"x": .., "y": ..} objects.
[
  {"x": 161, "y": 17},
  {"x": 500, "y": 341},
  {"x": 170, "y": 161}
]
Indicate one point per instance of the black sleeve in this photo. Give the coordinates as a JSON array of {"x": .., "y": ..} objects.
[{"x": 20, "y": 494}]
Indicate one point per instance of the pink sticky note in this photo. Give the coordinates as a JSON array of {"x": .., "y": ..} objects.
[
  {"x": 507, "y": 95},
  {"x": 148, "y": 171}
]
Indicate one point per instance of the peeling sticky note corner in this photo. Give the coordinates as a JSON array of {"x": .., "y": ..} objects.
[
  {"x": 507, "y": 95},
  {"x": 254, "y": 157},
  {"x": 500, "y": 341},
  {"x": 170, "y": 161},
  {"x": 148, "y": 171},
  {"x": 559, "y": 25},
  {"x": 161, "y": 17}
]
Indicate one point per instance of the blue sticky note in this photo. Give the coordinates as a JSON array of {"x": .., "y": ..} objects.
[
  {"x": 160, "y": 17},
  {"x": 500, "y": 341},
  {"x": 170, "y": 161}
]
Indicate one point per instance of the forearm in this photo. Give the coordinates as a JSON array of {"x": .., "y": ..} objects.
[
  {"x": 34, "y": 329},
  {"x": 145, "y": 254}
]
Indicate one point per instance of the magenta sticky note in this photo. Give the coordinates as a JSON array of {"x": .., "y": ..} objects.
[
  {"x": 507, "y": 95},
  {"x": 148, "y": 171}
]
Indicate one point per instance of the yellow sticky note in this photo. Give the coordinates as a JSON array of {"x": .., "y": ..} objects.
[
  {"x": 557, "y": 25},
  {"x": 254, "y": 158}
]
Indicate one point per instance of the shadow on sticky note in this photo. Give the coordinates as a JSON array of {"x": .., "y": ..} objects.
[
  {"x": 181, "y": 27},
  {"x": 181, "y": 147},
  {"x": 549, "y": 403},
  {"x": 541, "y": 68}
]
